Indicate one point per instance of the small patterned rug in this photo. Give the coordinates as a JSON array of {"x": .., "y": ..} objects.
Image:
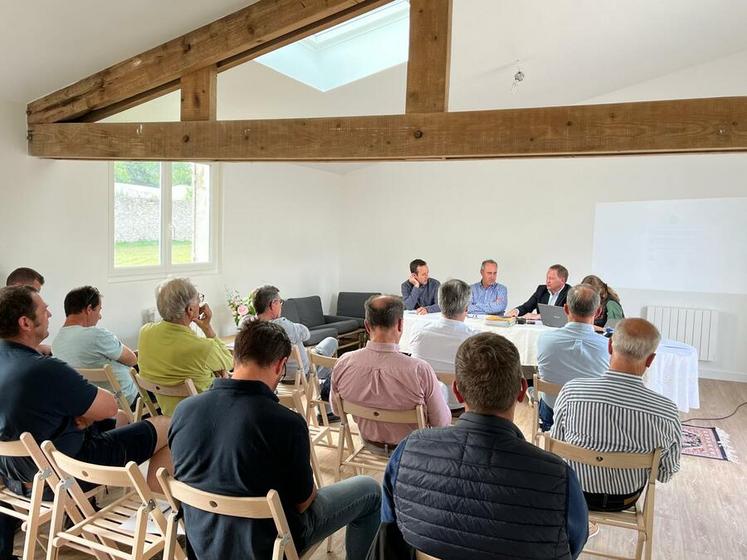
[{"x": 711, "y": 443}]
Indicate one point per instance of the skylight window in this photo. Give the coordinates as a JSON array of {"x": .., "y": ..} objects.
[{"x": 347, "y": 52}]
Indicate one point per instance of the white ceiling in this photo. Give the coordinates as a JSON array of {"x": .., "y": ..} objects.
[{"x": 569, "y": 50}]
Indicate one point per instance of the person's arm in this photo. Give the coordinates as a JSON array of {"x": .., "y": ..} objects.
[
  {"x": 104, "y": 406},
  {"x": 670, "y": 457},
  {"x": 529, "y": 305},
  {"x": 220, "y": 356},
  {"x": 577, "y": 515},
  {"x": 437, "y": 411},
  {"x": 127, "y": 357},
  {"x": 410, "y": 294},
  {"x": 301, "y": 488},
  {"x": 497, "y": 305},
  {"x": 614, "y": 310},
  {"x": 558, "y": 427},
  {"x": 388, "y": 514},
  {"x": 432, "y": 294},
  {"x": 302, "y": 331}
]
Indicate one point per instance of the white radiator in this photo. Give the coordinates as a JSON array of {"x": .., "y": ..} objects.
[{"x": 696, "y": 327}]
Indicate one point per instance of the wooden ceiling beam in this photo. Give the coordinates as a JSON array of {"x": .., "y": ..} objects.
[
  {"x": 199, "y": 100},
  {"x": 225, "y": 42},
  {"x": 430, "y": 56},
  {"x": 677, "y": 126}
]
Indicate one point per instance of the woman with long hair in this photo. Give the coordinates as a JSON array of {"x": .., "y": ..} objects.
[{"x": 611, "y": 308}]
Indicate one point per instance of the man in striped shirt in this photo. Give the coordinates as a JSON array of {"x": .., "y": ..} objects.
[{"x": 618, "y": 413}]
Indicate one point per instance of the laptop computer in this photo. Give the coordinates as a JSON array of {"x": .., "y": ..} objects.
[{"x": 552, "y": 315}]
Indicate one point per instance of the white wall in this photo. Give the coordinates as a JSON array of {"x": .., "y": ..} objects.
[
  {"x": 53, "y": 217},
  {"x": 526, "y": 214},
  {"x": 281, "y": 228}
]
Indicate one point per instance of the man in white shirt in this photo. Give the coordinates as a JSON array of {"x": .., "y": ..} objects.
[
  {"x": 437, "y": 343},
  {"x": 82, "y": 344}
]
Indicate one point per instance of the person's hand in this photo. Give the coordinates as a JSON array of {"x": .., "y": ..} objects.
[
  {"x": 532, "y": 316},
  {"x": 422, "y": 311},
  {"x": 512, "y": 313},
  {"x": 599, "y": 329},
  {"x": 413, "y": 280},
  {"x": 203, "y": 320},
  {"x": 82, "y": 423}
]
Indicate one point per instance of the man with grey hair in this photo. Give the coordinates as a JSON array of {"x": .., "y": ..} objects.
[
  {"x": 617, "y": 413},
  {"x": 380, "y": 376},
  {"x": 488, "y": 296},
  {"x": 269, "y": 307},
  {"x": 478, "y": 489},
  {"x": 573, "y": 351},
  {"x": 437, "y": 342},
  {"x": 169, "y": 351}
]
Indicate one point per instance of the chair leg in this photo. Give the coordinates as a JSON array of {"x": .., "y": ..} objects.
[{"x": 640, "y": 541}]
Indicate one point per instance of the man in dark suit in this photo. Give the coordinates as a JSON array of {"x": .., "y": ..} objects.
[{"x": 552, "y": 292}]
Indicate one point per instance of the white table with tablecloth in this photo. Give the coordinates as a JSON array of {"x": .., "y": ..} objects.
[{"x": 673, "y": 373}]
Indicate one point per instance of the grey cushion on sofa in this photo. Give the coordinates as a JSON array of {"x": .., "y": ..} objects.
[
  {"x": 318, "y": 334},
  {"x": 308, "y": 311},
  {"x": 350, "y": 305}
]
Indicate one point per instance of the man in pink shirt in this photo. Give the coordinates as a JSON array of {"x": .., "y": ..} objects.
[{"x": 380, "y": 376}]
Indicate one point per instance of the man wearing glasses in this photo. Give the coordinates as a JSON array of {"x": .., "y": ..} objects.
[{"x": 268, "y": 306}]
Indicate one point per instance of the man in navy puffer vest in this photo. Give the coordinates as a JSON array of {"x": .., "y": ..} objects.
[{"x": 478, "y": 490}]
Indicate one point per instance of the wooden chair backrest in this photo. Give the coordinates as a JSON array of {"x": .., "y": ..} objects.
[
  {"x": 266, "y": 507},
  {"x": 106, "y": 375},
  {"x": 293, "y": 400},
  {"x": 184, "y": 389},
  {"x": 552, "y": 389},
  {"x": 412, "y": 416},
  {"x": 322, "y": 361},
  {"x": 423, "y": 556},
  {"x": 95, "y": 474},
  {"x": 608, "y": 460},
  {"x": 13, "y": 449}
]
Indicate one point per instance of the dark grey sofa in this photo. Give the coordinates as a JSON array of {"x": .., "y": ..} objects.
[
  {"x": 350, "y": 305},
  {"x": 308, "y": 311}
]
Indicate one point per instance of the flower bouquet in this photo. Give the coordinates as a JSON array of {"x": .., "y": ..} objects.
[{"x": 240, "y": 306}]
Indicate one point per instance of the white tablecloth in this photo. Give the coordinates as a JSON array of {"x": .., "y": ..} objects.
[{"x": 673, "y": 373}]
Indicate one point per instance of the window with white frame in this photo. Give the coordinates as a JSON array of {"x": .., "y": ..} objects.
[{"x": 163, "y": 217}]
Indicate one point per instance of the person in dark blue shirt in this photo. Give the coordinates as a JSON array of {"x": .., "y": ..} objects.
[
  {"x": 236, "y": 439},
  {"x": 478, "y": 490},
  {"x": 50, "y": 400}
]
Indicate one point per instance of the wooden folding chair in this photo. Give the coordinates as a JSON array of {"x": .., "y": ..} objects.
[
  {"x": 183, "y": 389},
  {"x": 640, "y": 517},
  {"x": 266, "y": 507},
  {"x": 294, "y": 401},
  {"x": 315, "y": 404},
  {"x": 106, "y": 375},
  {"x": 360, "y": 458},
  {"x": 33, "y": 511},
  {"x": 101, "y": 533},
  {"x": 540, "y": 386},
  {"x": 423, "y": 556}
]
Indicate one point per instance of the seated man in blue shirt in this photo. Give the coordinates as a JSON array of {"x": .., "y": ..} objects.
[
  {"x": 82, "y": 344},
  {"x": 488, "y": 296},
  {"x": 574, "y": 350},
  {"x": 478, "y": 489},
  {"x": 236, "y": 439},
  {"x": 419, "y": 291}
]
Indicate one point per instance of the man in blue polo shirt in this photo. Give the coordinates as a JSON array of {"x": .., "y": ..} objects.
[
  {"x": 237, "y": 440},
  {"x": 47, "y": 398}
]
